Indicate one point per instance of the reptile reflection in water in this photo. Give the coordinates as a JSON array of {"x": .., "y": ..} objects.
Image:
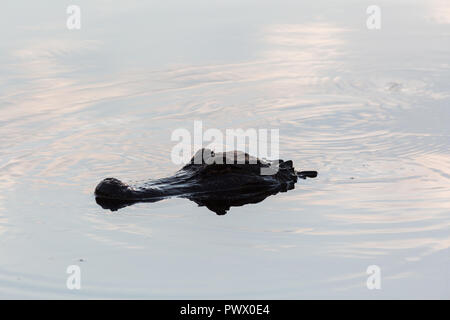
[{"x": 216, "y": 181}]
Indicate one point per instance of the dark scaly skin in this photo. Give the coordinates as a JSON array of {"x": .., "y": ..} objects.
[{"x": 217, "y": 181}]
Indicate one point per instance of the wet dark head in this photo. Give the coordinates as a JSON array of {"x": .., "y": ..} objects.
[{"x": 216, "y": 180}]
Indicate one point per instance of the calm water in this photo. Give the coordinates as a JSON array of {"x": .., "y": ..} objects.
[{"x": 368, "y": 109}]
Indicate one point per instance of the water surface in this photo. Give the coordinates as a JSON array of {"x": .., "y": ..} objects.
[{"x": 368, "y": 109}]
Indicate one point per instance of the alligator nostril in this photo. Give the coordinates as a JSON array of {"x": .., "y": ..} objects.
[{"x": 109, "y": 187}]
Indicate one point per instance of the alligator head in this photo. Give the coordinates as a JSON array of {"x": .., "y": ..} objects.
[{"x": 215, "y": 180}]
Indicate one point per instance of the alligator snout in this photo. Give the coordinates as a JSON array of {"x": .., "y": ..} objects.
[{"x": 112, "y": 188}]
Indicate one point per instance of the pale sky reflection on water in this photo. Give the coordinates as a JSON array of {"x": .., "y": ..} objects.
[{"x": 367, "y": 109}]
